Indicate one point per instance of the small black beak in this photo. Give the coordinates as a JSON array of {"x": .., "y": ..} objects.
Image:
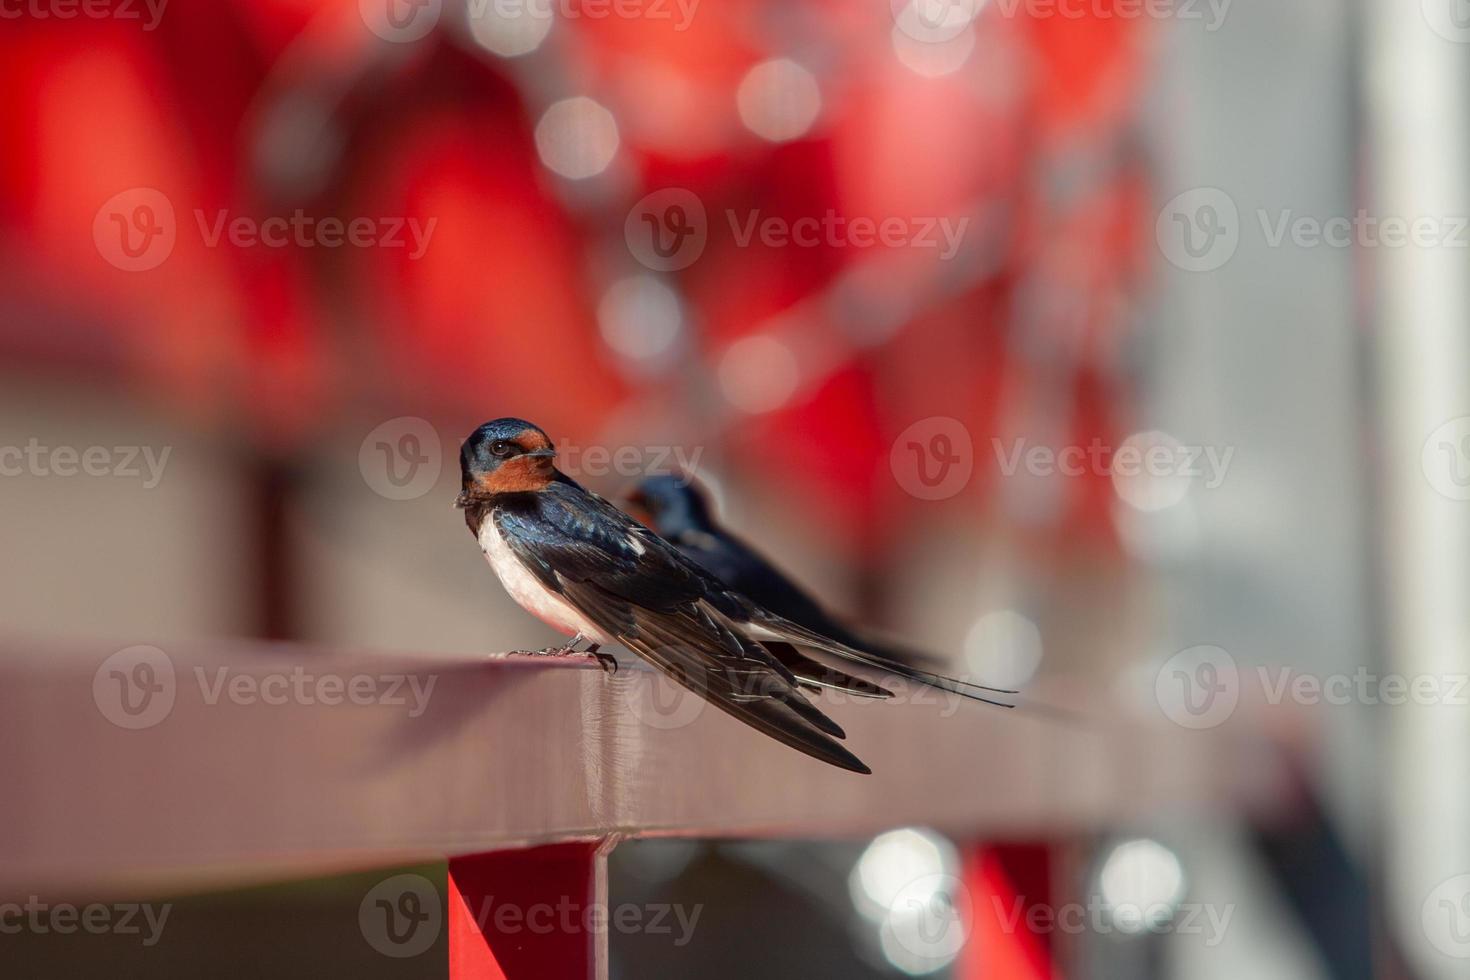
[
  {"x": 462, "y": 501},
  {"x": 541, "y": 454}
]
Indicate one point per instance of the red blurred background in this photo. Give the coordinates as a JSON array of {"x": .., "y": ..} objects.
[
  {"x": 523, "y": 145},
  {"x": 259, "y": 109}
]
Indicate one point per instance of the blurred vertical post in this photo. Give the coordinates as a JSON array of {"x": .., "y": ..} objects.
[
  {"x": 1010, "y": 884},
  {"x": 530, "y": 913},
  {"x": 273, "y": 584},
  {"x": 1417, "y": 58}
]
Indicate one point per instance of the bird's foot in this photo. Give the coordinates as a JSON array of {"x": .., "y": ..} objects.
[
  {"x": 567, "y": 649},
  {"x": 606, "y": 661},
  {"x": 561, "y": 651}
]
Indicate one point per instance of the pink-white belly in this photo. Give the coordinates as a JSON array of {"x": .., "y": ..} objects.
[{"x": 526, "y": 589}]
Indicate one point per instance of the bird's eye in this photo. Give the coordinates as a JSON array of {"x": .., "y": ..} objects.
[{"x": 500, "y": 448}]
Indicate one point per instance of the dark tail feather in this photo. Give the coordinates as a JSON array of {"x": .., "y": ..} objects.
[
  {"x": 734, "y": 673},
  {"x": 892, "y": 655},
  {"x": 793, "y": 720},
  {"x": 790, "y": 632},
  {"x": 887, "y": 652},
  {"x": 814, "y": 673}
]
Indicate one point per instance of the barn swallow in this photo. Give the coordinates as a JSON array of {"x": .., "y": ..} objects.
[
  {"x": 679, "y": 511},
  {"x": 588, "y": 570}
]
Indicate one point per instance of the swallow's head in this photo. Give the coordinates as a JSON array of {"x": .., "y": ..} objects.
[
  {"x": 505, "y": 456},
  {"x": 673, "y": 504}
]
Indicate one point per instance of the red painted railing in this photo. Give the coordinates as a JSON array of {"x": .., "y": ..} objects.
[{"x": 148, "y": 771}]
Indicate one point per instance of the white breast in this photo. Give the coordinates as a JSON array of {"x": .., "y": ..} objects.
[{"x": 526, "y": 589}]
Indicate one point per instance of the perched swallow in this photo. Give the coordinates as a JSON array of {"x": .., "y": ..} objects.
[
  {"x": 589, "y": 570},
  {"x": 679, "y": 511}
]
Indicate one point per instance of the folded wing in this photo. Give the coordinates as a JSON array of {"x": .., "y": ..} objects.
[{"x": 637, "y": 588}]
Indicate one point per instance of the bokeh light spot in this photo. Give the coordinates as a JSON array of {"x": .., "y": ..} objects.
[
  {"x": 577, "y": 138},
  {"x": 758, "y": 373},
  {"x": 779, "y": 100},
  {"x": 1142, "y": 883},
  {"x": 1003, "y": 648},
  {"x": 640, "y": 318},
  {"x": 510, "y": 28}
]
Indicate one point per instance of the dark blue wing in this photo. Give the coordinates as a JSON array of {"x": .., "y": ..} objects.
[{"x": 640, "y": 590}]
